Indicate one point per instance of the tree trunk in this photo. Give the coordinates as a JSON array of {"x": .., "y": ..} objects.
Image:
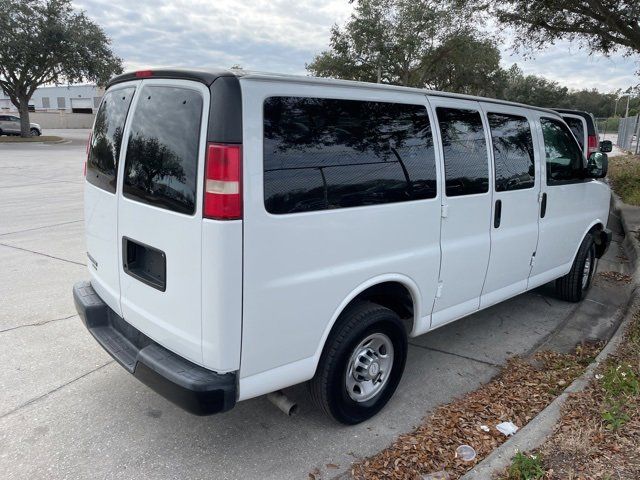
[{"x": 25, "y": 125}]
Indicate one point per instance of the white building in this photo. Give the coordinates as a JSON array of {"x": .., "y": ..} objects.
[{"x": 68, "y": 98}]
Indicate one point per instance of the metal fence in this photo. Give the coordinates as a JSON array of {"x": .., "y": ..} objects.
[{"x": 628, "y": 134}]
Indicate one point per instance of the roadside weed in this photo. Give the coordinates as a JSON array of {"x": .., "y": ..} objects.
[
  {"x": 620, "y": 380},
  {"x": 614, "y": 417},
  {"x": 525, "y": 467}
]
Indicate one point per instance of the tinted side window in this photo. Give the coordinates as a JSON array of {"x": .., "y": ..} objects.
[
  {"x": 465, "y": 151},
  {"x": 324, "y": 153},
  {"x": 162, "y": 151},
  {"x": 512, "y": 151},
  {"x": 577, "y": 128},
  {"x": 106, "y": 140},
  {"x": 563, "y": 155}
]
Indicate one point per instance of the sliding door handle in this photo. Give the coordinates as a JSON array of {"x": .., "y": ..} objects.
[
  {"x": 543, "y": 205},
  {"x": 498, "y": 214}
]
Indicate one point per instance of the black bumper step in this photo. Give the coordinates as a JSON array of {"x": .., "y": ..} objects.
[{"x": 190, "y": 386}]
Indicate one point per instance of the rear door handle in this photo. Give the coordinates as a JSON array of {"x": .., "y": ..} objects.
[
  {"x": 543, "y": 205},
  {"x": 498, "y": 214}
]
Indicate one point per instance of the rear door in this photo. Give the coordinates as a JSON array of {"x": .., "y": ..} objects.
[
  {"x": 466, "y": 208},
  {"x": 100, "y": 200},
  {"x": 514, "y": 229},
  {"x": 160, "y": 213}
]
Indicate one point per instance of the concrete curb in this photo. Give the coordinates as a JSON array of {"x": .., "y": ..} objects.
[
  {"x": 534, "y": 433},
  {"x": 43, "y": 142}
]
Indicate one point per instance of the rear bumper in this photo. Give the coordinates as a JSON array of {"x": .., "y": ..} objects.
[{"x": 190, "y": 386}]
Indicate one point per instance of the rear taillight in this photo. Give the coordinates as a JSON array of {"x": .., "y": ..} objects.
[
  {"x": 592, "y": 144},
  {"x": 223, "y": 184},
  {"x": 87, "y": 153}
]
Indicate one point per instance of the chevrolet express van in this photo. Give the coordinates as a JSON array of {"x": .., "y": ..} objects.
[{"x": 248, "y": 232}]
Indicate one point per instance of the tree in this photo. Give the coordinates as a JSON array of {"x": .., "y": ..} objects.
[
  {"x": 414, "y": 43},
  {"x": 463, "y": 63},
  {"x": 531, "y": 90},
  {"x": 603, "y": 26},
  {"x": 46, "y": 41}
]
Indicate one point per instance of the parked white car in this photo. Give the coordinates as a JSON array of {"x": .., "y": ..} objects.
[
  {"x": 10, "y": 125},
  {"x": 248, "y": 232}
]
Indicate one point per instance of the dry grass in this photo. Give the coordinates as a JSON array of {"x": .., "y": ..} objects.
[
  {"x": 521, "y": 390},
  {"x": 624, "y": 173}
]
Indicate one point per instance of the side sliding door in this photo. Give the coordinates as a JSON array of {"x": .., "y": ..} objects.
[{"x": 466, "y": 207}]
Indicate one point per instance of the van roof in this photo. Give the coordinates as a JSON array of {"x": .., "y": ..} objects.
[{"x": 209, "y": 76}]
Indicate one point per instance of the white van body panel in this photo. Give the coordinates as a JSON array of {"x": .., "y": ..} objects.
[
  {"x": 300, "y": 268},
  {"x": 172, "y": 318},
  {"x": 101, "y": 215},
  {"x": 465, "y": 237},
  {"x": 221, "y": 294}
]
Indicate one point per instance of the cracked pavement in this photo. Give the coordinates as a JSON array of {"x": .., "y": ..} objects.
[{"x": 67, "y": 410}]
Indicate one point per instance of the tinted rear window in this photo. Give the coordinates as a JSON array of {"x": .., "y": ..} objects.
[
  {"x": 577, "y": 128},
  {"x": 162, "y": 152},
  {"x": 102, "y": 164},
  {"x": 466, "y": 164},
  {"x": 324, "y": 153}
]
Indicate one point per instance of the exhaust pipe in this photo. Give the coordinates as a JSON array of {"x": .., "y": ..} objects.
[{"x": 280, "y": 400}]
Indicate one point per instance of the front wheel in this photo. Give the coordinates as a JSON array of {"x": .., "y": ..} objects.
[
  {"x": 574, "y": 285},
  {"x": 35, "y": 132},
  {"x": 361, "y": 364}
]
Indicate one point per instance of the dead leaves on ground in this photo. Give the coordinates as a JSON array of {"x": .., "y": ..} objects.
[{"x": 521, "y": 390}]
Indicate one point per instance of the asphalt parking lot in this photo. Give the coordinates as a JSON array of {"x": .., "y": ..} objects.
[{"x": 67, "y": 410}]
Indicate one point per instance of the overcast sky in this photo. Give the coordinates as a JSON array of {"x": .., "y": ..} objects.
[{"x": 282, "y": 35}]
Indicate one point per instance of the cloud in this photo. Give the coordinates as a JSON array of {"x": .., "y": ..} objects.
[
  {"x": 575, "y": 68},
  {"x": 282, "y": 35}
]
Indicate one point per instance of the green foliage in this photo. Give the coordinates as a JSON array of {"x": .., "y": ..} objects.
[
  {"x": 624, "y": 174},
  {"x": 620, "y": 380},
  {"x": 525, "y": 467},
  {"x": 432, "y": 44},
  {"x": 46, "y": 41},
  {"x": 414, "y": 43},
  {"x": 602, "y": 26},
  {"x": 614, "y": 417}
]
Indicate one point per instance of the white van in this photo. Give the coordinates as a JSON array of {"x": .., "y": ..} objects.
[{"x": 248, "y": 232}]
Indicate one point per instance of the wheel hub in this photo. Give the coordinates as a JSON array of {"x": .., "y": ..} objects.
[{"x": 369, "y": 367}]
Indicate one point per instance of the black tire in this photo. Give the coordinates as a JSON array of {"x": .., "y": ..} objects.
[
  {"x": 328, "y": 388},
  {"x": 35, "y": 132},
  {"x": 1, "y": 133},
  {"x": 573, "y": 286}
]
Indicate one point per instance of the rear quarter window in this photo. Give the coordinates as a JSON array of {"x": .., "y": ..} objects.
[
  {"x": 162, "y": 151},
  {"x": 322, "y": 154},
  {"x": 106, "y": 140}
]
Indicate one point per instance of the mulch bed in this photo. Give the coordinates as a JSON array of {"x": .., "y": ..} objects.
[{"x": 520, "y": 391}]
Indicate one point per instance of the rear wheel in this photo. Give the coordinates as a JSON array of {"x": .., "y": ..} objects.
[
  {"x": 361, "y": 364},
  {"x": 574, "y": 285}
]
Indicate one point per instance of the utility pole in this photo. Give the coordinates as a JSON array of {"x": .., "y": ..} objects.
[{"x": 627, "y": 112}]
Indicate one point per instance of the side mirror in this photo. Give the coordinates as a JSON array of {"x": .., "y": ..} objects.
[
  {"x": 598, "y": 165},
  {"x": 606, "y": 146}
]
